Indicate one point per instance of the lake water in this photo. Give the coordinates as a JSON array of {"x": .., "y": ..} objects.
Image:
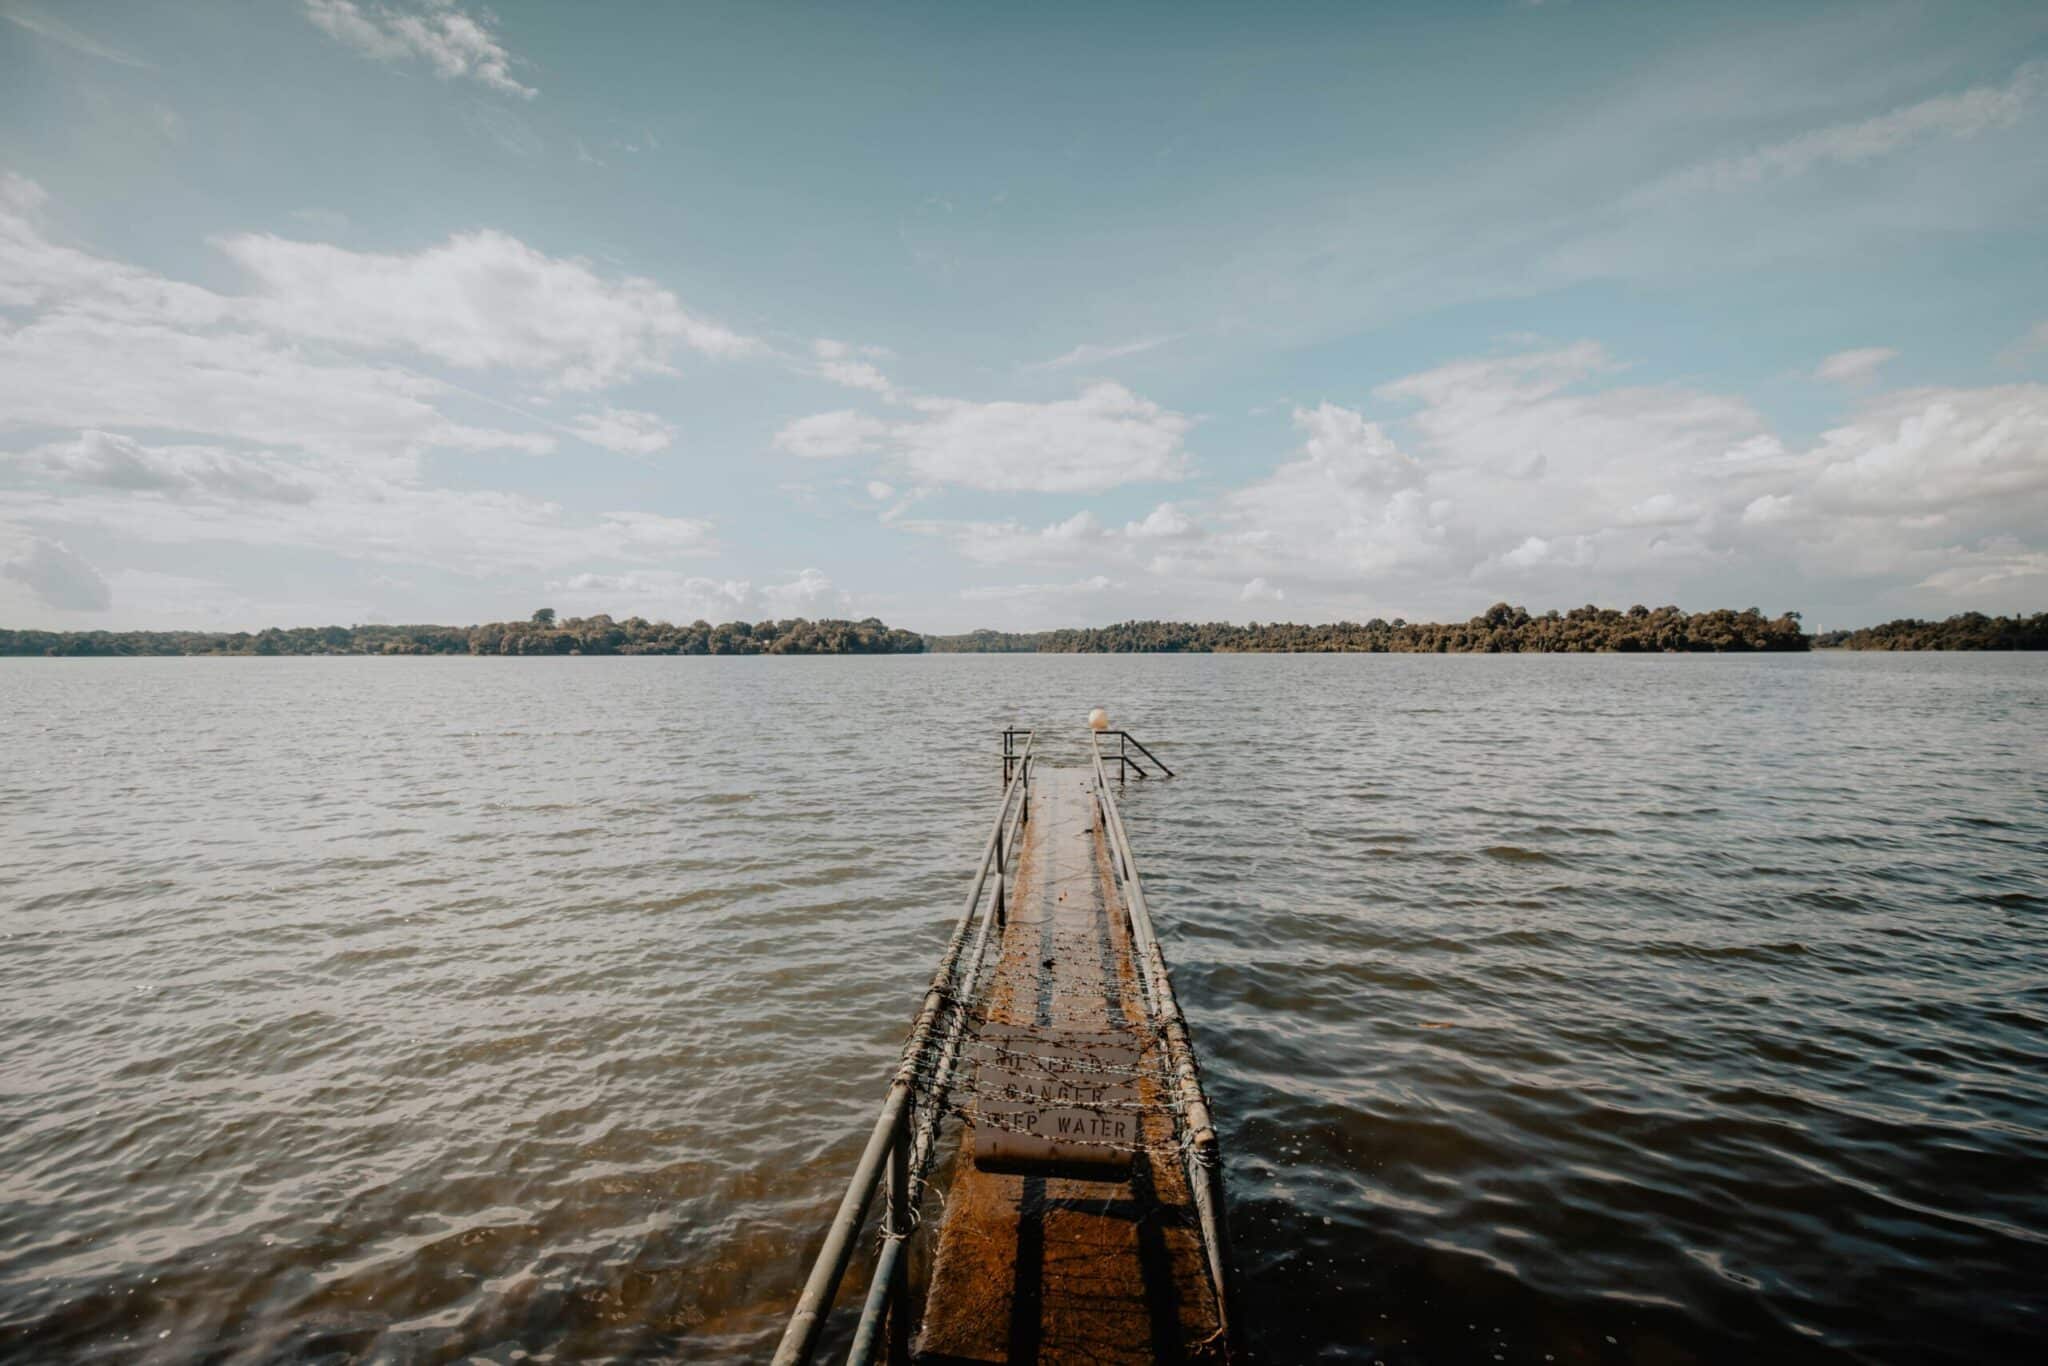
[{"x": 1587, "y": 1009}]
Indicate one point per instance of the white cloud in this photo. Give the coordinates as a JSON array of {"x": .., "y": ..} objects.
[
  {"x": 807, "y": 594},
  {"x": 1258, "y": 590},
  {"x": 1663, "y": 509},
  {"x": 1981, "y": 451},
  {"x": 456, "y": 43},
  {"x": 1105, "y": 437},
  {"x": 1527, "y": 444},
  {"x": 1999, "y": 567},
  {"x": 657, "y": 593},
  {"x": 652, "y": 531},
  {"x": 1356, "y": 452},
  {"x": 1015, "y": 592},
  {"x": 1579, "y": 191},
  {"x": 1163, "y": 523},
  {"x": 1855, "y": 366},
  {"x": 1961, "y": 115},
  {"x": 824, "y": 436},
  {"x": 1078, "y": 538},
  {"x": 2035, "y": 340},
  {"x": 108, "y": 346},
  {"x": 293, "y": 446},
  {"x": 1767, "y": 508},
  {"x": 478, "y": 300},
  {"x": 625, "y": 431},
  {"x": 1350, "y": 505},
  {"x": 59, "y": 578},
  {"x": 1537, "y": 475},
  {"x": 475, "y": 533},
  {"x": 840, "y": 364},
  {"x": 70, "y": 369},
  {"x": 879, "y": 491},
  {"x": 677, "y": 597},
  {"x": 20, "y": 195},
  {"x": 110, "y": 460},
  {"x": 1092, "y": 353},
  {"x": 1535, "y": 553},
  {"x": 57, "y": 31},
  {"x": 857, "y": 374}
]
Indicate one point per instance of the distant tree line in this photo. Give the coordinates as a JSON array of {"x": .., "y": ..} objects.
[
  {"x": 1501, "y": 629},
  {"x": 1965, "y": 631},
  {"x": 542, "y": 635}
]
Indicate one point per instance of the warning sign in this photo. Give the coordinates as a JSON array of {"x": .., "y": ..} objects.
[{"x": 1054, "y": 1098}]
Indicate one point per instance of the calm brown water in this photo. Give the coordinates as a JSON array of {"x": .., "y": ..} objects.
[{"x": 1586, "y": 1009}]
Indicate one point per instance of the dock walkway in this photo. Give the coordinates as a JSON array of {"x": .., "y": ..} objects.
[
  {"x": 1083, "y": 1215},
  {"x": 1067, "y": 1263}
]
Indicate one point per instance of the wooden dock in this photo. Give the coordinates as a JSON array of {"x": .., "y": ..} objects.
[
  {"x": 1083, "y": 1218},
  {"x": 1069, "y": 1263}
]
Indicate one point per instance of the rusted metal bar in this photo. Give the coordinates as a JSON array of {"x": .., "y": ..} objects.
[
  {"x": 882, "y": 1310},
  {"x": 924, "y": 1142},
  {"x": 889, "y": 1291},
  {"x": 884, "y": 1304},
  {"x": 897, "y": 1275},
  {"x": 1124, "y": 735},
  {"x": 1200, "y": 1152},
  {"x": 800, "y": 1338},
  {"x": 923, "y": 1139}
]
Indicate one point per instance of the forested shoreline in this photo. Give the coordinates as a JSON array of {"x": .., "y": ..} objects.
[
  {"x": 1501, "y": 629},
  {"x": 1964, "y": 631},
  {"x": 542, "y": 634}
]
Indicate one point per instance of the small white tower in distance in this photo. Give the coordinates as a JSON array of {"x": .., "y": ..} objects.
[{"x": 1098, "y": 719}]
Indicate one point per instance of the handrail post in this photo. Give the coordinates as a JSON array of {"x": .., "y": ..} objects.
[{"x": 1002, "y": 907}]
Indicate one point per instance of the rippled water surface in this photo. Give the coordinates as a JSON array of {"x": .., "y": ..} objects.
[{"x": 1574, "y": 1009}]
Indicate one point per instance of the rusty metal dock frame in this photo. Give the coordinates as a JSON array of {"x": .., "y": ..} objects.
[{"x": 900, "y": 1150}]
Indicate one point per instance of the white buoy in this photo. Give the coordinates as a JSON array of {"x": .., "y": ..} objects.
[{"x": 1098, "y": 719}]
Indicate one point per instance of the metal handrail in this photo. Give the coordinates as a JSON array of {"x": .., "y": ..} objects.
[
  {"x": 889, "y": 1286},
  {"x": 1200, "y": 1155},
  {"x": 1124, "y": 760},
  {"x": 891, "y": 1140}
]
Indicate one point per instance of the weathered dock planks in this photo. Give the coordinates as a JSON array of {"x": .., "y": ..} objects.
[{"x": 1095, "y": 1254}]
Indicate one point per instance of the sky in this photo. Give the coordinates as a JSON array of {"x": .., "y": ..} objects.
[{"x": 1018, "y": 316}]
